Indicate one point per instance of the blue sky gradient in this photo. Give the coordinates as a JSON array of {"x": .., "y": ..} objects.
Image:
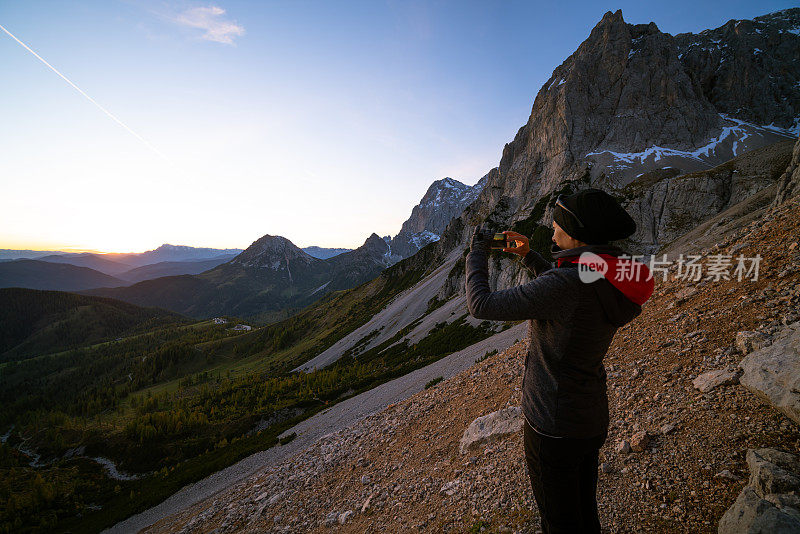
[{"x": 319, "y": 121}]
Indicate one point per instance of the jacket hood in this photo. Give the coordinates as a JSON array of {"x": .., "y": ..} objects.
[{"x": 629, "y": 286}]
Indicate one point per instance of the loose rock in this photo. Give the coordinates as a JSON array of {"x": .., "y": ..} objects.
[
  {"x": 713, "y": 379},
  {"x": 491, "y": 427},
  {"x": 639, "y": 441}
]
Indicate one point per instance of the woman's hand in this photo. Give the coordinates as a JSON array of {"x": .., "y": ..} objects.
[{"x": 521, "y": 242}]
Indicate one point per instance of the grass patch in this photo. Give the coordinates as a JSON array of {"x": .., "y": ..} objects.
[
  {"x": 286, "y": 439},
  {"x": 488, "y": 353},
  {"x": 433, "y": 382}
]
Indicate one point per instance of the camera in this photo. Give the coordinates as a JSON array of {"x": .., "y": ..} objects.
[{"x": 499, "y": 241}]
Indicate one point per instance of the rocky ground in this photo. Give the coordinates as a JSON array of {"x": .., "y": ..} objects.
[{"x": 401, "y": 469}]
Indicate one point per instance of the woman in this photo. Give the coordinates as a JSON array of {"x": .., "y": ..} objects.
[{"x": 571, "y": 323}]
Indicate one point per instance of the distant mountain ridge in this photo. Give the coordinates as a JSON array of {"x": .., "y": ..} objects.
[
  {"x": 98, "y": 262},
  {"x": 167, "y": 252},
  {"x": 114, "y": 263},
  {"x": 304, "y": 276},
  {"x": 171, "y": 268},
  {"x": 37, "y": 274},
  {"x": 270, "y": 276},
  {"x": 123, "y": 267},
  {"x": 273, "y": 274}
]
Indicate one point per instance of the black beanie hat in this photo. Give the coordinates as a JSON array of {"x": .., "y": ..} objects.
[{"x": 600, "y": 218}]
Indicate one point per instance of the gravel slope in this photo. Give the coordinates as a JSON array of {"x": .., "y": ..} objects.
[{"x": 405, "y": 308}]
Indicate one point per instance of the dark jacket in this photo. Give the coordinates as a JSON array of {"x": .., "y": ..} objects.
[{"x": 571, "y": 324}]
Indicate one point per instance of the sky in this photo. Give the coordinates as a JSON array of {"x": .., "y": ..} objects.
[{"x": 211, "y": 124}]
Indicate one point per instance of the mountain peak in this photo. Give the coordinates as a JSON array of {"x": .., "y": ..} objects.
[
  {"x": 611, "y": 17},
  {"x": 624, "y": 90},
  {"x": 445, "y": 199},
  {"x": 447, "y": 182},
  {"x": 376, "y": 243},
  {"x": 273, "y": 244},
  {"x": 169, "y": 252},
  {"x": 441, "y": 190},
  {"x": 270, "y": 250}
]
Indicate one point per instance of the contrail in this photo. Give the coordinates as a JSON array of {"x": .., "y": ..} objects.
[{"x": 89, "y": 98}]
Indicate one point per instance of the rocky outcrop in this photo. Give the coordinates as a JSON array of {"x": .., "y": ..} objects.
[
  {"x": 789, "y": 182},
  {"x": 770, "y": 502},
  {"x": 773, "y": 372}
]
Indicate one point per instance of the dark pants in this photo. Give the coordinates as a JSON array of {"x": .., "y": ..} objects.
[{"x": 563, "y": 475}]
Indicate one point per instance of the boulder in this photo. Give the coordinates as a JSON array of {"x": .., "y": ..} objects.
[
  {"x": 491, "y": 427},
  {"x": 773, "y": 372},
  {"x": 769, "y": 503}
]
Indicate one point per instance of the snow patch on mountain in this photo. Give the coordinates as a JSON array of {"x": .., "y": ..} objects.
[
  {"x": 734, "y": 130},
  {"x": 421, "y": 239}
]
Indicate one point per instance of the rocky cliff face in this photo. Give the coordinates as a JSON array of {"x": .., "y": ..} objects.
[
  {"x": 632, "y": 98},
  {"x": 624, "y": 90},
  {"x": 667, "y": 204},
  {"x": 789, "y": 182},
  {"x": 444, "y": 200},
  {"x": 749, "y": 68}
]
